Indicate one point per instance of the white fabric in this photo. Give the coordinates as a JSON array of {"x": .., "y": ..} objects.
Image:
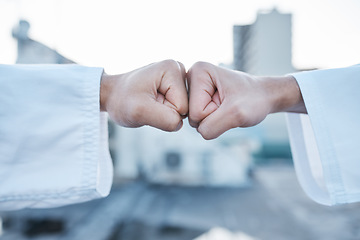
[
  {"x": 53, "y": 138},
  {"x": 325, "y": 143}
]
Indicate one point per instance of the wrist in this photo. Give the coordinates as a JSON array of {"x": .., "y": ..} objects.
[
  {"x": 284, "y": 94},
  {"x": 105, "y": 90}
]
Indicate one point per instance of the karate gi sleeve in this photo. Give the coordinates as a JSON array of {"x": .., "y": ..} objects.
[
  {"x": 53, "y": 138},
  {"x": 325, "y": 142}
]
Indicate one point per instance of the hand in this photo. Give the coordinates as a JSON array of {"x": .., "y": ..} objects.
[
  {"x": 153, "y": 95},
  {"x": 221, "y": 99}
]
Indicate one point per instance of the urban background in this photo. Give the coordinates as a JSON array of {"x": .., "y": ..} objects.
[{"x": 177, "y": 185}]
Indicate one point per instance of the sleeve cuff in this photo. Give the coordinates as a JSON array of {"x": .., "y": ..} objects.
[
  {"x": 325, "y": 141},
  {"x": 53, "y": 138}
]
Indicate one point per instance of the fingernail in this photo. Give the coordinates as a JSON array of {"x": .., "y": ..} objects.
[
  {"x": 179, "y": 126},
  {"x": 183, "y": 116}
]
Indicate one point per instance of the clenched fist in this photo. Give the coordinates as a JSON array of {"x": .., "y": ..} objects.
[
  {"x": 153, "y": 95},
  {"x": 221, "y": 99}
]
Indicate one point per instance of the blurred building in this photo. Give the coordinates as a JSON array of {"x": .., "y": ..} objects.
[
  {"x": 34, "y": 52},
  {"x": 265, "y": 48}
]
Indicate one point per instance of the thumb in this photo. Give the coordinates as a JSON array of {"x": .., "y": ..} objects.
[
  {"x": 161, "y": 116},
  {"x": 216, "y": 123},
  {"x": 172, "y": 86}
]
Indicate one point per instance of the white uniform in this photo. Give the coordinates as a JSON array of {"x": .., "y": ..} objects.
[
  {"x": 326, "y": 143},
  {"x": 53, "y": 138}
]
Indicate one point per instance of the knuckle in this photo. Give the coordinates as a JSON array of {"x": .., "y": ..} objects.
[
  {"x": 200, "y": 72},
  {"x": 198, "y": 66},
  {"x": 207, "y": 137},
  {"x": 172, "y": 126},
  {"x": 195, "y": 116},
  {"x": 205, "y": 133},
  {"x": 183, "y": 109},
  {"x": 201, "y": 64},
  {"x": 182, "y": 66},
  {"x": 170, "y": 64}
]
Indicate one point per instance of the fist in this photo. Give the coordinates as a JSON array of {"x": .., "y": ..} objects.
[
  {"x": 221, "y": 99},
  {"x": 153, "y": 95}
]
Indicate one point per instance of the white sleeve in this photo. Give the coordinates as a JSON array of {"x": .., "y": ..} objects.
[
  {"x": 53, "y": 138},
  {"x": 325, "y": 143}
]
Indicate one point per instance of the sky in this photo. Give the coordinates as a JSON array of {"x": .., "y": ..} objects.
[{"x": 123, "y": 35}]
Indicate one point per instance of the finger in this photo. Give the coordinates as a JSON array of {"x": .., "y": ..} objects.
[
  {"x": 202, "y": 90},
  {"x": 217, "y": 123},
  {"x": 193, "y": 123},
  {"x": 216, "y": 98},
  {"x": 161, "y": 99},
  {"x": 161, "y": 116},
  {"x": 196, "y": 116},
  {"x": 172, "y": 86},
  {"x": 183, "y": 73},
  {"x": 183, "y": 70}
]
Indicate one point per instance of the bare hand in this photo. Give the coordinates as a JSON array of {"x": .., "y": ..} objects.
[
  {"x": 221, "y": 99},
  {"x": 153, "y": 95}
]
